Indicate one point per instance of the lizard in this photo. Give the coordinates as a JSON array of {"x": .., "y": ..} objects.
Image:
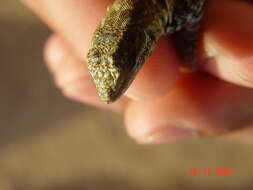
[{"x": 128, "y": 33}]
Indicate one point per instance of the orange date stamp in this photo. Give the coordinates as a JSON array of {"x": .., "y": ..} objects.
[{"x": 210, "y": 171}]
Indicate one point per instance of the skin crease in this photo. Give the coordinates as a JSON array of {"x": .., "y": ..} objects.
[{"x": 164, "y": 104}]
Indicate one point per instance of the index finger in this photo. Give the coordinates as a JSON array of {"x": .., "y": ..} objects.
[{"x": 76, "y": 21}]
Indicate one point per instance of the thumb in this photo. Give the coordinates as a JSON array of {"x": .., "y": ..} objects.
[{"x": 199, "y": 103}]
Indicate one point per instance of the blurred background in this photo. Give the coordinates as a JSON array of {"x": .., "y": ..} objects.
[{"x": 48, "y": 142}]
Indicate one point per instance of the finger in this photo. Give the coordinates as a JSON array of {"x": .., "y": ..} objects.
[
  {"x": 228, "y": 41},
  {"x": 71, "y": 75},
  {"x": 199, "y": 105}
]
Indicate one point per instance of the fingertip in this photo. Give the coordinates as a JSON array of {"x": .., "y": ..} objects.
[{"x": 147, "y": 128}]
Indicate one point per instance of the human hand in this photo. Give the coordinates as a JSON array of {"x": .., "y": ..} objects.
[{"x": 163, "y": 104}]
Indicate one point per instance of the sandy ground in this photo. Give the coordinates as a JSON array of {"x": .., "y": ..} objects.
[{"x": 48, "y": 142}]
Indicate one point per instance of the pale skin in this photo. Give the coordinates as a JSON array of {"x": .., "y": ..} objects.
[{"x": 163, "y": 104}]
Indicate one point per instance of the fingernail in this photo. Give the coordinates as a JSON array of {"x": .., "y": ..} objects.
[
  {"x": 132, "y": 95},
  {"x": 169, "y": 134}
]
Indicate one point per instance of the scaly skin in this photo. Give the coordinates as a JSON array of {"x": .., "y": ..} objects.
[{"x": 127, "y": 36}]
